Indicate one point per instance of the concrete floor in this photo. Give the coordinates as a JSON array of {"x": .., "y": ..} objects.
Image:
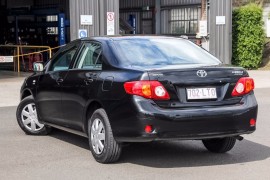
[
  {"x": 10, "y": 84},
  {"x": 66, "y": 156}
]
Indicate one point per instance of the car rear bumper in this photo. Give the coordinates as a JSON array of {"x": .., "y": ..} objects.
[{"x": 185, "y": 124}]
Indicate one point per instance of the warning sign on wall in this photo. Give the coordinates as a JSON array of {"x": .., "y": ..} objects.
[
  {"x": 203, "y": 28},
  {"x": 6, "y": 59},
  {"x": 82, "y": 33},
  {"x": 110, "y": 23}
]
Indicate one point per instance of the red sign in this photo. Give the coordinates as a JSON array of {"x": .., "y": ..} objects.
[{"x": 110, "y": 16}]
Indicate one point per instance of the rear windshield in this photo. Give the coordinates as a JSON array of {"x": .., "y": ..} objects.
[{"x": 157, "y": 52}]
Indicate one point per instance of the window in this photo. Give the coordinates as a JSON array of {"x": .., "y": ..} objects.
[
  {"x": 52, "y": 30},
  {"x": 91, "y": 56},
  {"x": 184, "y": 20},
  {"x": 63, "y": 61},
  {"x": 161, "y": 52}
]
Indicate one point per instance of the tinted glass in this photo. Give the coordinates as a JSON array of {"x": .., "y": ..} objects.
[
  {"x": 90, "y": 57},
  {"x": 64, "y": 59},
  {"x": 151, "y": 52}
]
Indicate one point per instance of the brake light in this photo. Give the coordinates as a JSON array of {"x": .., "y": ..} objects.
[
  {"x": 147, "y": 89},
  {"x": 243, "y": 86}
]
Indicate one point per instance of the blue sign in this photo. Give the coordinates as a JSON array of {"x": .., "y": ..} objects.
[
  {"x": 82, "y": 33},
  {"x": 132, "y": 22},
  {"x": 61, "y": 29}
]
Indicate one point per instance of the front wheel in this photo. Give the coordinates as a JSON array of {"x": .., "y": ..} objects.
[
  {"x": 27, "y": 118},
  {"x": 221, "y": 145},
  {"x": 102, "y": 144}
]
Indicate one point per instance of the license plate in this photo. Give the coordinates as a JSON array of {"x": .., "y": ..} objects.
[{"x": 201, "y": 93}]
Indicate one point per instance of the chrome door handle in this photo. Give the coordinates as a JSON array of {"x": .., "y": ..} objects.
[
  {"x": 88, "y": 80},
  {"x": 60, "y": 80}
]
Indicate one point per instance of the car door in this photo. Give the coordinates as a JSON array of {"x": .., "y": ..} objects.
[
  {"x": 81, "y": 84},
  {"x": 49, "y": 88}
]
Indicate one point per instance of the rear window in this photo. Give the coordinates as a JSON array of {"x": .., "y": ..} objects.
[{"x": 157, "y": 52}]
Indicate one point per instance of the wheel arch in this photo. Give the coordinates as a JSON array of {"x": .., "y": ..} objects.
[
  {"x": 26, "y": 93},
  {"x": 92, "y": 106}
]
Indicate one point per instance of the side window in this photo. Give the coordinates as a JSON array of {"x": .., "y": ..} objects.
[
  {"x": 90, "y": 57},
  {"x": 63, "y": 61}
]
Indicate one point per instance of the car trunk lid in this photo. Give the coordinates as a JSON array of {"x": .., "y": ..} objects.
[{"x": 198, "y": 86}]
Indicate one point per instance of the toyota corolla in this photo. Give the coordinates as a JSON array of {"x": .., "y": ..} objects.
[{"x": 115, "y": 90}]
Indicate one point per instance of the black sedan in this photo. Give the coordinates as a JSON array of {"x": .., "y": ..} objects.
[{"x": 115, "y": 90}]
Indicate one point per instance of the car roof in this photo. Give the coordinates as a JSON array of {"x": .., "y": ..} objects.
[{"x": 122, "y": 37}]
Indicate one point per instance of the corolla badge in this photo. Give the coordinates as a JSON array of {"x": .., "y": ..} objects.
[{"x": 202, "y": 73}]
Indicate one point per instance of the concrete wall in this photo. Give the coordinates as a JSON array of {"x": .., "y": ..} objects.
[{"x": 98, "y": 9}]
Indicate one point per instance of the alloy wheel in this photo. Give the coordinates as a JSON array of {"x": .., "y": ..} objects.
[
  {"x": 30, "y": 119},
  {"x": 98, "y": 136}
]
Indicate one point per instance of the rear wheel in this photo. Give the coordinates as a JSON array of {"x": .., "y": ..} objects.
[
  {"x": 27, "y": 118},
  {"x": 222, "y": 145},
  {"x": 102, "y": 144}
]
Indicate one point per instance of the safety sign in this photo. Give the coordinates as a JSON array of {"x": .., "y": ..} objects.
[
  {"x": 5, "y": 59},
  {"x": 110, "y": 23},
  {"x": 82, "y": 33},
  {"x": 86, "y": 20}
]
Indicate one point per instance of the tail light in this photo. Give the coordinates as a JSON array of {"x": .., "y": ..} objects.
[
  {"x": 244, "y": 86},
  {"x": 147, "y": 89}
]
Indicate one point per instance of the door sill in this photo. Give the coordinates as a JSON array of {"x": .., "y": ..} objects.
[{"x": 68, "y": 130}]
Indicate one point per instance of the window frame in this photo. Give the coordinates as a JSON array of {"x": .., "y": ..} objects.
[
  {"x": 66, "y": 49},
  {"x": 76, "y": 63},
  {"x": 184, "y": 16}
]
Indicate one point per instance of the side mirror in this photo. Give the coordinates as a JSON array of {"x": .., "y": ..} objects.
[{"x": 38, "y": 66}]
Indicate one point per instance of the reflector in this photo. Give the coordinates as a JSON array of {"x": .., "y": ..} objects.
[
  {"x": 148, "y": 129},
  {"x": 252, "y": 122}
]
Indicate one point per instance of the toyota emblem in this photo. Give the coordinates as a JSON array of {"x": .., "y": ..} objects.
[{"x": 202, "y": 73}]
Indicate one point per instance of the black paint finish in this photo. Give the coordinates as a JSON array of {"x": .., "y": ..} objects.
[{"x": 66, "y": 98}]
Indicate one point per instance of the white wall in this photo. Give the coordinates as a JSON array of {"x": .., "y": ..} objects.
[{"x": 266, "y": 11}]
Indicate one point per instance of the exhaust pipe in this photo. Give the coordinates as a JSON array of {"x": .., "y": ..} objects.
[{"x": 239, "y": 138}]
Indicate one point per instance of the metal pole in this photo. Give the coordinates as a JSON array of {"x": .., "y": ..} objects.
[
  {"x": 16, "y": 30},
  {"x": 14, "y": 62},
  {"x": 18, "y": 58},
  {"x": 102, "y": 18},
  {"x": 50, "y": 53}
]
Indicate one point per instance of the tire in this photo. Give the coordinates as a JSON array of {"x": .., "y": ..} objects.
[
  {"x": 27, "y": 118},
  {"x": 222, "y": 145},
  {"x": 100, "y": 133}
]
